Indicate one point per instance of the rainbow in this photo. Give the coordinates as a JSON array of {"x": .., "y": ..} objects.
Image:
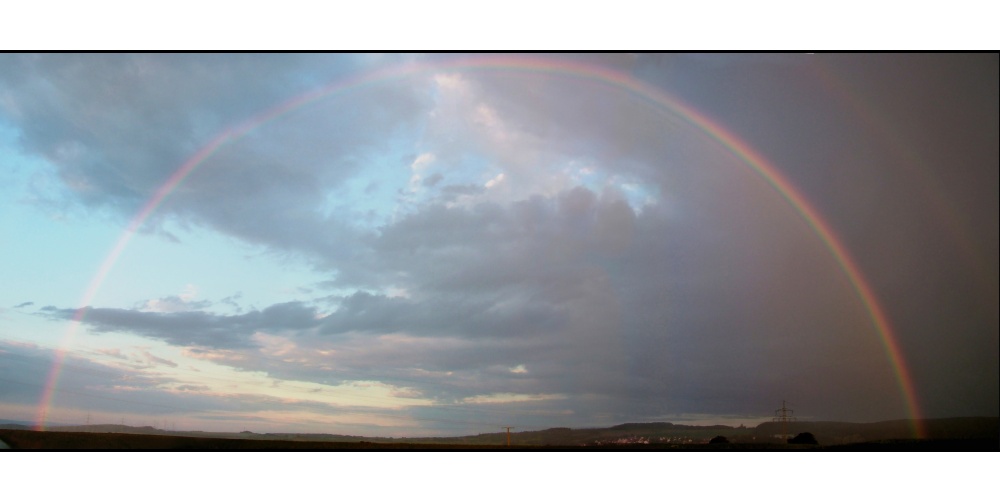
[{"x": 530, "y": 64}]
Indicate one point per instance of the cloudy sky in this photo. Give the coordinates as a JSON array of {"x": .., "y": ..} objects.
[{"x": 405, "y": 245}]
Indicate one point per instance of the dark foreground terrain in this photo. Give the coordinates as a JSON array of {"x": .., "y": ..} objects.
[
  {"x": 35, "y": 440},
  {"x": 946, "y": 434}
]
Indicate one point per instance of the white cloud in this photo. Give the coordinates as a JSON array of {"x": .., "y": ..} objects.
[
  {"x": 182, "y": 302},
  {"x": 496, "y": 180},
  {"x": 422, "y": 161},
  {"x": 190, "y": 291},
  {"x": 418, "y": 166},
  {"x": 501, "y": 398}
]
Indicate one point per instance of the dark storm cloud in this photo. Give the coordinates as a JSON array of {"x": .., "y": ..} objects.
[
  {"x": 898, "y": 152},
  {"x": 196, "y": 328}
]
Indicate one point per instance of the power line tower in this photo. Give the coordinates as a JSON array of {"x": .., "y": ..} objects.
[
  {"x": 783, "y": 415},
  {"x": 508, "y": 434}
]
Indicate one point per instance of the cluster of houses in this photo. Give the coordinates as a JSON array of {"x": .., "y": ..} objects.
[{"x": 645, "y": 440}]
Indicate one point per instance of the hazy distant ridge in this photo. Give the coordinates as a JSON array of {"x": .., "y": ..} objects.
[{"x": 827, "y": 433}]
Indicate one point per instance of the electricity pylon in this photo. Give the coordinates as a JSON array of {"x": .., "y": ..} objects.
[
  {"x": 783, "y": 415},
  {"x": 508, "y": 434}
]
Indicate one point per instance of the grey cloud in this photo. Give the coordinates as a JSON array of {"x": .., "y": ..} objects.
[
  {"x": 660, "y": 303},
  {"x": 173, "y": 303},
  {"x": 196, "y": 328},
  {"x": 87, "y": 385},
  {"x": 468, "y": 189},
  {"x": 477, "y": 317},
  {"x": 444, "y": 368},
  {"x": 158, "y": 360},
  {"x": 432, "y": 180},
  {"x": 452, "y": 193},
  {"x": 25, "y": 304},
  {"x": 595, "y": 300},
  {"x": 231, "y": 300},
  {"x": 577, "y": 120},
  {"x": 192, "y": 388},
  {"x": 115, "y": 353},
  {"x": 544, "y": 241},
  {"x": 117, "y": 126},
  {"x": 26, "y": 371}
]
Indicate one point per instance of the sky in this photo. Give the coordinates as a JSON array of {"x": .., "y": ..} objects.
[{"x": 416, "y": 245}]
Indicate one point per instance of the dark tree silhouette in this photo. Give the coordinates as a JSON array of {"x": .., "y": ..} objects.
[
  {"x": 803, "y": 438},
  {"x": 719, "y": 440}
]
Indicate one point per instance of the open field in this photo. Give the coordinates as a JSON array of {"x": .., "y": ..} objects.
[{"x": 35, "y": 440}]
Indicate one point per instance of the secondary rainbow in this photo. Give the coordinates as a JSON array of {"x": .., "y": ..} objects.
[{"x": 535, "y": 64}]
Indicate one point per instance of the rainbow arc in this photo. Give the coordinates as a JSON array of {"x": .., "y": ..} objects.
[{"x": 612, "y": 78}]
